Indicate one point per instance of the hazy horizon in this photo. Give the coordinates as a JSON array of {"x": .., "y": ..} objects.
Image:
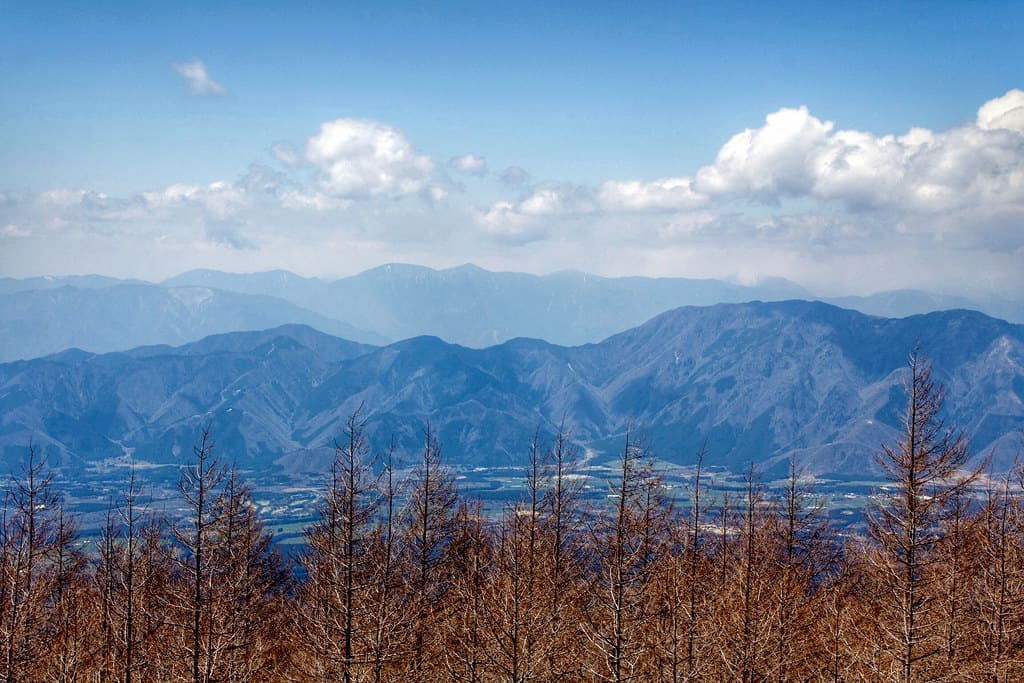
[
  {"x": 849, "y": 149},
  {"x": 730, "y": 280}
]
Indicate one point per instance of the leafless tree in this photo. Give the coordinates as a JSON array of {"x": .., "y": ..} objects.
[
  {"x": 428, "y": 527},
  {"x": 120, "y": 578},
  {"x": 926, "y": 472},
  {"x": 38, "y": 562},
  {"x": 681, "y": 591},
  {"x": 335, "y": 616},
  {"x": 998, "y": 595},
  {"x": 467, "y": 650},
  {"x": 248, "y": 584},
  {"x": 627, "y": 544},
  {"x": 200, "y": 486},
  {"x": 804, "y": 552}
]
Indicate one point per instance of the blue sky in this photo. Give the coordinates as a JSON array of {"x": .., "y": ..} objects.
[{"x": 324, "y": 139}]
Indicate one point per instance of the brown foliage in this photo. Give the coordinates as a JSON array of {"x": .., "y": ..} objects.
[{"x": 403, "y": 580}]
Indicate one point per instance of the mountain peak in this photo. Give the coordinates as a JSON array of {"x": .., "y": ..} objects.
[{"x": 757, "y": 380}]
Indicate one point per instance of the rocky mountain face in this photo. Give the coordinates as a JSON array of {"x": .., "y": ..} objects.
[{"x": 757, "y": 381}]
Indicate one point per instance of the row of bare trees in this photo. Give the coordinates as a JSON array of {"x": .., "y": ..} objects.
[{"x": 401, "y": 579}]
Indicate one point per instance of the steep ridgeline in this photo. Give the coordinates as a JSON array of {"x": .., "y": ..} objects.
[{"x": 758, "y": 381}]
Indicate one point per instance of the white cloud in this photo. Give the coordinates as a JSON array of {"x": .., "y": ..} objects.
[
  {"x": 552, "y": 199},
  {"x": 1003, "y": 112},
  {"x": 359, "y": 158},
  {"x": 220, "y": 199},
  {"x": 274, "y": 187},
  {"x": 529, "y": 219},
  {"x": 497, "y": 213},
  {"x": 973, "y": 167},
  {"x": 613, "y": 196},
  {"x": 665, "y": 194},
  {"x": 64, "y": 196},
  {"x": 775, "y": 159},
  {"x": 198, "y": 79},
  {"x": 297, "y": 198},
  {"x": 90, "y": 211},
  {"x": 547, "y": 201},
  {"x": 797, "y": 196},
  {"x": 470, "y": 164},
  {"x": 287, "y": 156},
  {"x": 65, "y": 205},
  {"x": 504, "y": 222}
]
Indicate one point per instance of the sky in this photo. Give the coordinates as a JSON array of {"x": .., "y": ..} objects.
[{"x": 851, "y": 147}]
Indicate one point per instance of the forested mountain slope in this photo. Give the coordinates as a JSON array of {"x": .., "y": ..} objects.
[{"x": 758, "y": 381}]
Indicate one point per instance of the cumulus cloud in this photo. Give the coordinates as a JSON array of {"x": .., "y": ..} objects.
[
  {"x": 220, "y": 199},
  {"x": 66, "y": 196},
  {"x": 613, "y": 196},
  {"x": 97, "y": 211},
  {"x": 795, "y": 154},
  {"x": 299, "y": 198},
  {"x": 1003, "y": 112},
  {"x": 470, "y": 164},
  {"x": 274, "y": 187},
  {"x": 74, "y": 204},
  {"x": 198, "y": 79},
  {"x": 556, "y": 199},
  {"x": 504, "y": 222},
  {"x": 798, "y": 196},
  {"x": 524, "y": 220},
  {"x": 804, "y": 191},
  {"x": 360, "y": 158},
  {"x": 775, "y": 159},
  {"x": 665, "y": 194},
  {"x": 223, "y": 209}
]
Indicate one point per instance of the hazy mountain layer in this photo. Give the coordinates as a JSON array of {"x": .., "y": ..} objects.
[
  {"x": 479, "y": 308},
  {"x": 465, "y": 305},
  {"x": 758, "y": 381},
  {"x": 107, "y": 318},
  {"x": 475, "y": 307}
]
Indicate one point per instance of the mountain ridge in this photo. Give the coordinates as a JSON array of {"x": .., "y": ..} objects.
[
  {"x": 466, "y": 304},
  {"x": 758, "y": 381},
  {"x": 39, "y": 322}
]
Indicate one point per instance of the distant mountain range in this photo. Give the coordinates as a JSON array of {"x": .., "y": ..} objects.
[
  {"x": 465, "y": 305},
  {"x": 39, "y": 322},
  {"x": 758, "y": 381},
  {"x": 479, "y": 308}
]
